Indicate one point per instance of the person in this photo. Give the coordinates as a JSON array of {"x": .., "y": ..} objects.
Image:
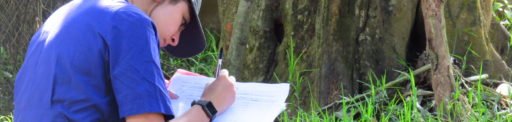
[{"x": 98, "y": 60}]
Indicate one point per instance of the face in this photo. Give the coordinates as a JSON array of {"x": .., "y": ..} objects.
[{"x": 170, "y": 20}]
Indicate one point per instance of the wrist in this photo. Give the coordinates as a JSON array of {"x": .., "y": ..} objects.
[
  {"x": 207, "y": 106},
  {"x": 200, "y": 116},
  {"x": 194, "y": 114}
]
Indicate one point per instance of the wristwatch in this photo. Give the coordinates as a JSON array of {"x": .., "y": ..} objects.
[{"x": 207, "y": 106}]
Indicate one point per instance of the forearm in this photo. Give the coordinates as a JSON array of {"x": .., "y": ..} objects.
[
  {"x": 148, "y": 117},
  {"x": 194, "y": 114}
]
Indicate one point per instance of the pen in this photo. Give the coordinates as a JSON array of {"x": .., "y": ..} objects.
[{"x": 219, "y": 64}]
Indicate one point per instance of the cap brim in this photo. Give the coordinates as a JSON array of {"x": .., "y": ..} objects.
[{"x": 192, "y": 39}]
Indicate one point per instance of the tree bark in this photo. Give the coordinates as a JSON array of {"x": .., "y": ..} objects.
[
  {"x": 470, "y": 34},
  {"x": 340, "y": 43},
  {"x": 254, "y": 51},
  {"x": 227, "y": 10},
  {"x": 343, "y": 42},
  {"x": 442, "y": 75}
]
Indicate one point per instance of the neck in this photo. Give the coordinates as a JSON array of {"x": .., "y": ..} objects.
[{"x": 145, "y": 5}]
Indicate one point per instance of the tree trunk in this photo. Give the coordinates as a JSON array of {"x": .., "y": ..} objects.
[
  {"x": 337, "y": 46},
  {"x": 254, "y": 51},
  {"x": 442, "y": 75},
  {"x": 469, "y": 28},
  {"x": 337, "y": 43},
  {"x": 227, "y": 10}
]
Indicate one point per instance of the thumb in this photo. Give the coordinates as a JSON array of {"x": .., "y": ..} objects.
[{"x": 224, "y": 72}]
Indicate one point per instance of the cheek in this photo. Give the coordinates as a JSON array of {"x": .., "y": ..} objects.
[
  {"x": 167, "y": 27},
  {"x": 161, "y": 28},
  {"x": 167, "y": 23}
]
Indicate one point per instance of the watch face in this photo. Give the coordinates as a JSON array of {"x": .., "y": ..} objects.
[{"x": 211, "y": 108}]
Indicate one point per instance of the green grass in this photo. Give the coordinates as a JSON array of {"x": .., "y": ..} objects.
[
  {"x": 7, "y": 71},
  {"x": 204, "y": 63},
  {"x": 378, "y": 106},
  {"x": 6, "y": 118}
]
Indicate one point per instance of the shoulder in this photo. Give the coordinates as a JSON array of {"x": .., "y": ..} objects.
[
  {"x": 130, "y": 15},
  {"x": 129, "y": 21}
]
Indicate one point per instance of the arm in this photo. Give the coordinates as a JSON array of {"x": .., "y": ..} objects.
[
  {"x": 147, "y": 117},
  {"x": 194, "y": 114},
  {"x": 221, "y": 92}
]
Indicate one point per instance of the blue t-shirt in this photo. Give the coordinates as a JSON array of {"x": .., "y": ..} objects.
[{"x": 92, "y": 60}]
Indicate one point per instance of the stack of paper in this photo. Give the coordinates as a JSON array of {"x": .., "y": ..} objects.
[{"x": 254, "y": 102}]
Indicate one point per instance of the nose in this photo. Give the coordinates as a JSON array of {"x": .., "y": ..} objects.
[{"x": 175, "y": 39}]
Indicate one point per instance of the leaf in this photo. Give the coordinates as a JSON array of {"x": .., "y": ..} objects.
[
  {"x": 497, "y": 6},
  {"x": 7, "y": 74}
]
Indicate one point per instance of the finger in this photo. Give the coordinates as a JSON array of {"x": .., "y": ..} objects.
[
  {"x": 172, "y": 95},
  {"x": 232, "y": 79}
]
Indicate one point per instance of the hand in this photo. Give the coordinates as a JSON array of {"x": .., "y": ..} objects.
[
  {"x": 171, "y": 94},
  {"x": 221, "y": 91}
]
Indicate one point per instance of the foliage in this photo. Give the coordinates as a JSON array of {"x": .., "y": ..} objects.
[
  {"x": 503, "y": 13},
  {"x": 19, "y": 19},
  {"x": 7, "y": 118},
  {"x": 6, "y": 78},
  {"x": 204, "y": 63}
]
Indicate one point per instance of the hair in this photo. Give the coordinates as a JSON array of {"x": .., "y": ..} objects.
[{"x": 174, "y": 2}]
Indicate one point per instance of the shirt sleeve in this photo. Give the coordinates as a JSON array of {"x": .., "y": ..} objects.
[{"x": 135, "y": 71}]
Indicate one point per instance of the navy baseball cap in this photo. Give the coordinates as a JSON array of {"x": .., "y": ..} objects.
[{"x": 192, "y": 39}]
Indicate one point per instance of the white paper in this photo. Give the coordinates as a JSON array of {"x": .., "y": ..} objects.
[{"x": 254, "y": 102}]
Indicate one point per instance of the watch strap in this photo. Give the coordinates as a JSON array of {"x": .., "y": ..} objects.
[{"x": 207, "y": 107}]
